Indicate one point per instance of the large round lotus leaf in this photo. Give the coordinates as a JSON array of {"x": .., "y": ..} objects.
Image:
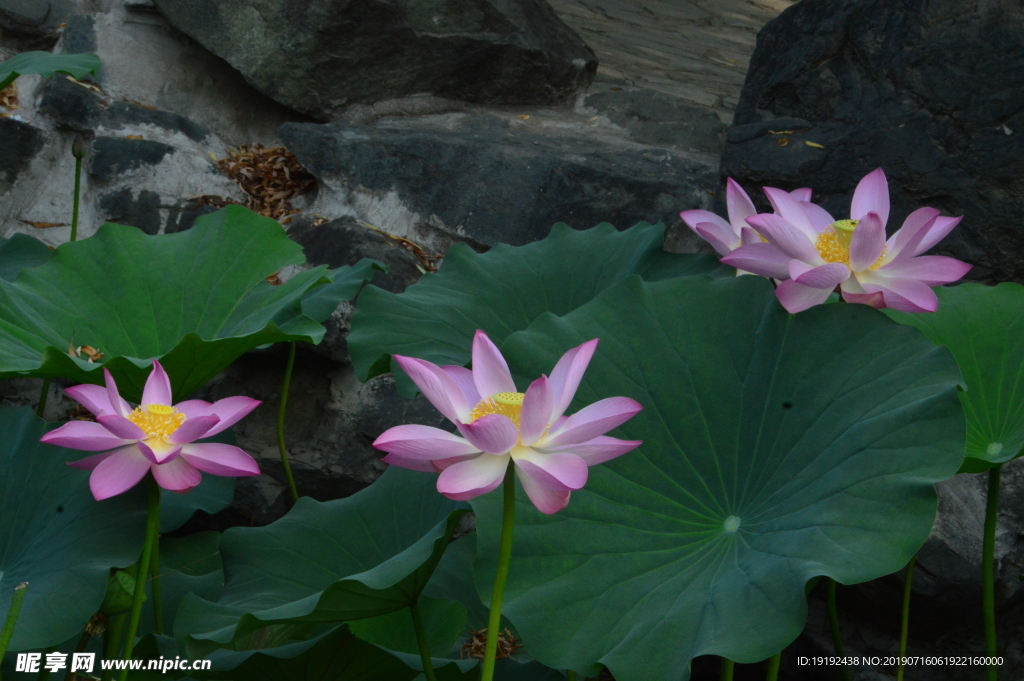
[
  {"x": 983, "y": 326},
  {"x": 505, "y": 289},
  {"x": 19, "y": 252},
  {"x": 55, "y": 536},
  {"x": 195, "y": 300},
  {"x": 777, "y": 447},
  {"x": 47, "y": 64},
  {"x": 366, "y": 555},
  {"x": 189, "y": 565}
]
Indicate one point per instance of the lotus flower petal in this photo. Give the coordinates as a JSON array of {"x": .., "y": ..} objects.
[
  {"x": 193, "y": 429},
  {"x": 797, "y": 297},
  {"x": 219, "y": 459},
  {"x": 229, "y": 411},
  {"x": 567, "y": 374},
  {"x": 96, "y": 400},
  {"x": 421, "y": 444},
  {"x": 792, "y": 241},
  {"x": 118, "y": 473},
  {"x": 600, "y": 449},
  {"x": 555, "y": 470},
  {"x": 536, "y": 415},
  {"x": 437, "y": 386},
  {"x": 177, "y": 475},
  {"x": 738, "y": 204},
  {"x": 468, "y": 479},
  {"x": 593, "y": 420},
  {"x": 490, "y": 372},
  {"x": 760, "y": 258},
  {"x": 121, "y": 427},
  {"x": 871, "y": 196},
  {"x": 867, "y": 243},
  {"x": 494, "y": 433},
  {"x": 548, "y": 500},
  {"x": 85, "y": 435},
  {"x": 158, "y": 387},
  {"x": 937, "y": 233}
]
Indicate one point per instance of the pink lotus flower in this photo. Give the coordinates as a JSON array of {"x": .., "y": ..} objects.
[
  {"x": 728, "y": 236},
  {"x": 814, "y": 253},
  {"x": 551, "y": 452},
  {"x": 153, "y": 437}
]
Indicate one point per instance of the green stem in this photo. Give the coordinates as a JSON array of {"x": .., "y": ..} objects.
[
  {"x": 773, "y": 666},
  {"x": 905, "y": 618},
  {"x": 508, "y": 487},
  {"x": 43, "y": 394},
  {"x": 112, "y": 644},
  {"x": 74, "y": 209},
  {"x": 158, "y": 606},
  {"x": 421, "y": 641},
  {"x": 280, "y": 422},
  {"x": 44, "y": 672},
  {"x": 727, "y": 669},
  {"x": 12, "y": 617},
  {"x": 833, "y": 620},
  {"x": 988, "y": 586},
  {"x": 570, "y": 675},
  {"x": 152, "y": 533},
  {"x": 80, "y": 648}
]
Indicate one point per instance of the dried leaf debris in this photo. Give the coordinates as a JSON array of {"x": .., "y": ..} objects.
[
  {"x": 270, "y": 178},
  {"x": 477, "y": 643}
]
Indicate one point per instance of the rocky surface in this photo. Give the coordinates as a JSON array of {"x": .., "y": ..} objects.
[
  {"x": 319, "y": 56},
  {"x": 931, "y": 92},
  {"x": 516, "y": 175}
]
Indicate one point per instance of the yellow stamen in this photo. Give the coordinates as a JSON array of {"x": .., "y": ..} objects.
[
  {"x": 157, "y": 420},
  {"x": 506, "y": 404},
  {"x": 833, "y": 244}
]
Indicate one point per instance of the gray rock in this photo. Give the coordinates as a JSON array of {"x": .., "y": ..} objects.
[
  {"x": 318, "y": 56},
  {"x": 345, "y": 242},
  {"x": 655, "y": 118},
  {"x": 19, "y": 143},
  {"x": 114, "y": 156},
  {"x": 931, "y": 92},
  {"x": 484, "y": 178}
]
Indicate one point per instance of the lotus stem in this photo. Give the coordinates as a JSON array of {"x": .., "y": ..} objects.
[
  {"x": 280, "y": 423},
  {"x": 152, "y": 535},
  {"x": 112, "y": 644},
  {"x": 78, "y": 187},
  {"x": 44, "y": 673},
  {"x": 833, "y": 620},
  {"x": 905, "y": 618},
  {"x": 988, "y": 583},
  {"x": 727, "y": 669},
  {"x": 421, "y": 641},
  {"x": 80, "y": 648},
  {"x": 508, "y": 488},
  {"x": 43, "y": 394},
  {"x": 158, "y": 606},
  {"x": 773, "y": 666},
  {"x": 570, "y": 675},
  {"x": 12, "y": 617}
]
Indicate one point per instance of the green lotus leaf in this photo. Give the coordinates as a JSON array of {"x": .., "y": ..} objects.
[
  {"x": 19, "y": 252},
  {"x": 982, "y": 326},
  {"x": 443, "y": 622},
  {"x": 47, "y": 64},
  {"x": 363, "y": 556},
  {"x": 188, "y": 565},
  {"x": 196, "y": 300},
  {"x": 504, "y": 290},
  {"x": 55, "y": 536},
  {"x": 776, "y": 448}
]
